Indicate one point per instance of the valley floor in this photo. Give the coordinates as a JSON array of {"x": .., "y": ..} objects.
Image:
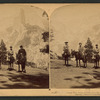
[
  {"x": 73, "y": 77},
  {"x": 33, "y": 78}
]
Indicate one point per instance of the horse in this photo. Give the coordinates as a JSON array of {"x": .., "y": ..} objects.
[
  {"x": 0, "y": 62},
  {"x": 79, "y": 57},
  {"x": 66, "y": 56},
  {"x": 18, "y": 61},
  {"x": 21, "y": 60},
  {"x": 11, "y": 61}
]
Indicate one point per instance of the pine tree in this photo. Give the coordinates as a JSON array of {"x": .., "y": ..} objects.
[
  {"x": 89, "y": 49},
  {"x": 3, "y": 52}
]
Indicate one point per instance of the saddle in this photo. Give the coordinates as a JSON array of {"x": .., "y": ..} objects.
[
  {"x": 11, "y": 59},
  {"x": 67, "y": 53},
  {"x": 96, "y": 56},
  {"x": 21, "y": 58},
  {"x": 81, "y": 55}
]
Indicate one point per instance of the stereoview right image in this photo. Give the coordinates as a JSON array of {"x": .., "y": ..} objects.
[{"x": 75, "y": 46}]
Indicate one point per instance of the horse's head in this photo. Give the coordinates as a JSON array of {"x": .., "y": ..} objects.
[{"x": 73, "y": 53}]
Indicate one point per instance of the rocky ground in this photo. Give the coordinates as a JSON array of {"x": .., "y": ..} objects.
[
  {"x": 33, "y": 78},
  {"x": 73, "y": 77}
]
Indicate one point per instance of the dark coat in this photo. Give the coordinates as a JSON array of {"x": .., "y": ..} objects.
[{"x": 22, "y": 51}]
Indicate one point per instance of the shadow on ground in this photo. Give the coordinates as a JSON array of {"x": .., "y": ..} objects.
[
  {"x": 26, "y": 81},
  {"x": 96, "y": 76},
  {"x": 68, "y": 79},
  {"x": 56, "y": 67},
  {"x": 91, "y": 85}
]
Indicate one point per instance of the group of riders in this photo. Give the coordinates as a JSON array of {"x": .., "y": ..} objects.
[
  {"x": 20, "y": 59},
  {"x": 81, "y": 54}
]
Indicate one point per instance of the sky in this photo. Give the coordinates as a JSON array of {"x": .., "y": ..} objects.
[{"x": 74, "y": 24}]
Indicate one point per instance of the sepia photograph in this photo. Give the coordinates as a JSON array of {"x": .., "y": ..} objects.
[
  {"x": 75, "y": 47},
  {"x": 24, "y": 47},
  {"x": 49, "y": 49}
]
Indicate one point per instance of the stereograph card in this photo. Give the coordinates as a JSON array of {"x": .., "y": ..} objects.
[{"x": 49, "y": 49}]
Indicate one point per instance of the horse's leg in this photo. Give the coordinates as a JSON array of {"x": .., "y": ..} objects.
[
  {"x": 24, "y": 67},
  {"x": 8, "y": 65},
  {"x": 0, "y": 64},
  {"x": 79, "y": 63},
  {"x": 12, "y": 65},
  {"x": 22, "y": 64},
  {"x": 84, "y": 64},
  {"x": 83, "y": 60},
  {"x": 65, "y": 60},
  {"x": 96, "y": 64},
  {"x": 18, "y": 62},
  {"x": 76, "y": 63},
  {"x": 18, "y": 67}
]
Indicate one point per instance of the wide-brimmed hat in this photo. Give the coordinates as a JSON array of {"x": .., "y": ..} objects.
[
  {"x": 10, "y": 46},
  {"x": 66, "y": 42},
  {"x": 80, "y": 43},
  {"x": 96, "y": 45},
  {"x": 21, "y": 46}
]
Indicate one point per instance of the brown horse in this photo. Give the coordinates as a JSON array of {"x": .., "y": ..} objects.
[
  {"x": 79, "y": 57},
  {"x": 96, "y": 61},
  {"x": 10, "y": 62},
  {"x": 21, "y": 60},
  {"x": 66, "y": 56}
]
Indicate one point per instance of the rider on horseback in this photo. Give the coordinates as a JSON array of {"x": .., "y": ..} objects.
[
  {"x": 66, "y": 52},
  {"x": 96, "y": 56},
  {"x": 10, "y": 57},
  {"x": 96, "y": 50},
  {"x": 81, "y": 50},
  {"x": 66, "y": 47},
  {"x": 22, "y": 58},
  {"x": 22, "y": 50}
]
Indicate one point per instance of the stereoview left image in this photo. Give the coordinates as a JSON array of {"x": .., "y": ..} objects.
[{"x": 24, "y": 47}]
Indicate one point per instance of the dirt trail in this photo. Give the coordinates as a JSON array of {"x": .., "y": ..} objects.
[
  {"x": 72, "y": 76},
  {"x": 33, "y": 78}
]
